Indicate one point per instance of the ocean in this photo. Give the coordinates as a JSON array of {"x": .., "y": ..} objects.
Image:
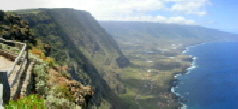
[{"x": 212, "y": 80}]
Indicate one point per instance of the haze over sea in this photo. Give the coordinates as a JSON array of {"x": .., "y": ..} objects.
[{"x": 213, "y": 82}]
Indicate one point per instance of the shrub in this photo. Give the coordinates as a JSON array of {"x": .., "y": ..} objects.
[
  {"x": 28, "y": 102},
  {"x": 64, "y": 90},
  {"x": 65, "y": 74},
  {"x": 42, "y": 56},
  {"x": 36, "y": 51},
  {"x": 50, "y": 61}
]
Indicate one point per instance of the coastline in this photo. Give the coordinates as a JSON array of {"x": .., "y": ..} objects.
[
  {"x": 191, "y": 67},
  {"x": 175, "y": 81},
  {"x": 164, "y": 76},
  {"x": 221, "y": 63}
]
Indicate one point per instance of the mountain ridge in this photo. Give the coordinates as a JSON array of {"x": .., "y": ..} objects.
[{"x": 161, "y": 30}]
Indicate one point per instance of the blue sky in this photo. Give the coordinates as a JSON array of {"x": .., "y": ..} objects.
[
  {"x": 224, "y": 13},
  {"x": 217, "y": 14}
]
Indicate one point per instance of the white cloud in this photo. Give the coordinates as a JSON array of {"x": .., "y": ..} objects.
[
  {"x": 190, "y": 6},
  {"x": 120, "y": 9},
  {"x": 22, "y": 4}
]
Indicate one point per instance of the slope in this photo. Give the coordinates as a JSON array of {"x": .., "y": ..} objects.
[{"x": 77, "y": 40}]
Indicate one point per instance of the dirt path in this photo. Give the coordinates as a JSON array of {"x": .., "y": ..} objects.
[{"x": 5, "y": 64}]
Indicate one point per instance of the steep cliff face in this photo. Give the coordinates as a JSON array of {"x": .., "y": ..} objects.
[
  {"x": 77, "y": 40},
  {"x": 40, "y": 75}
]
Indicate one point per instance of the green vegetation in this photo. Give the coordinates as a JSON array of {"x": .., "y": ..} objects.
[
  {"x": 41, "y": 75},
  {"x": 28, "y": 102},
  {"x": 15, "y": 50},
  {"x": 150, "y": 89},
  {"x": 78, "y": 41},
  {"x": 59, "y": 96},
  {"x": 66, "y": 93}
]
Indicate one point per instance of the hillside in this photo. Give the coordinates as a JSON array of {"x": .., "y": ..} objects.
[
  {"x": 164, "y": 33},
  {"x": 77, "y": 40}
]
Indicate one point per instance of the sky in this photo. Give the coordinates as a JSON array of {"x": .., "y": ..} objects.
[{"x": 217, "y": 14}]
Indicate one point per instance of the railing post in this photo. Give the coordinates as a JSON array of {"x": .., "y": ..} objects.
[{"x": 4, "y": 88}]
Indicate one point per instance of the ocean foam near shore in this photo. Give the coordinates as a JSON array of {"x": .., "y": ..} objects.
[
  {"x": 187, "y": 48},
  {"x": 192, "y": 66},
  {"x": 184, "y": 106}
]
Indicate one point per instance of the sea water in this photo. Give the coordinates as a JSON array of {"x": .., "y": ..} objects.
[{"x": 212, "y": 81}]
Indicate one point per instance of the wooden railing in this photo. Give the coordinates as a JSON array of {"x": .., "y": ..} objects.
[{"x": 12, "y": 46}]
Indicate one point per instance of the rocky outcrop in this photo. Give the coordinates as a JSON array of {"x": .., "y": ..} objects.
[{"x": 122, "y": 62}]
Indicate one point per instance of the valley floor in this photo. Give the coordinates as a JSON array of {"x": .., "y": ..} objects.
[{"x": 150, "y": 76}]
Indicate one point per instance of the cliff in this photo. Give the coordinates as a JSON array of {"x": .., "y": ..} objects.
[
  {"x": 78, "y": 41},
  {"x": 37, "y": 72}
]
